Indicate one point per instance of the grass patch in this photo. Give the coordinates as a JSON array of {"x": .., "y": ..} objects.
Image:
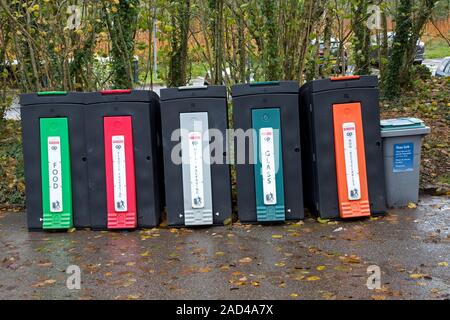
[
  {"x": 444, "y": 179},
  {"x": 437, "y": 48}
]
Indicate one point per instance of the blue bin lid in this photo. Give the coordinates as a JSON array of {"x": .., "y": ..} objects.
[{"x": 403, "y": 127}]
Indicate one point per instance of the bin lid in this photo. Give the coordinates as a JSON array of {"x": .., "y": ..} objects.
[
  {"x": 267, "y": 87},
  {"x": 339, "y": 83},
  {"x": 403, "y": 127},
  {"x": 120, "y": 95},
  {"x": 193, "y": 92},
  {"x": 51, "y": 97}
]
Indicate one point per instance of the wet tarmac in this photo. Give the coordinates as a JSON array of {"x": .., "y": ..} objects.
[{"x": 307, "y": 260}]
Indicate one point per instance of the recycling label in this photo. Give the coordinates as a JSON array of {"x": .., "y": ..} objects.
[
  {"x": 351, "y": 161},
  {"x": 403, "y": 157},
  {"x": 268, "y": 165},
  {"x": 196, "y": 169},
  {"x": 119, "y": 174}
]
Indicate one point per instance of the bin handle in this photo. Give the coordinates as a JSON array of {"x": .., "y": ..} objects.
[
  {"x": 51, "y": 93},
  {"x": 116, "y": 91},
  {"x": 344, "y": 78}
]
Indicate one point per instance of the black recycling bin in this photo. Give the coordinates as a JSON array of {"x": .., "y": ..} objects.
[
  {"x": 197, "y": 174},
  {"x": 124, "y": 159},
  {"x": 55, "y": 160},
  {"x": 343, "y": 155},
  {"x": 268, "y": 151}
]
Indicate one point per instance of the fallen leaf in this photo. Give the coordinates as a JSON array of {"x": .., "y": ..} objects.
[
  {"x": 378, "y": 297},
  {"x": 412, "y": 205},
  {"x": 145, "y": 254},
  {"x": 320, "y": 220},
  {"x": 245, "y": 260},
  {"x": 294, "y": 295},
  {"x": 227, "y": 221},
  {"x": 328, "y": 295},
  {"x": 204, "y": 270},
  {"x": 443, "y": 264},
  {"x": 351, "y": 259},
  {"x": 312, "y": 278},
  {"x": 44, "y": 283},
  {"x": 130, "y": 264},
  {"x": 129, "y": 283},
  {"x": 224, "y": 268},
  {"x": 163, "y": 224},
  {"x": 416, "y": 276},
  {"x": 70, "y": 230},
  {"x": 277, "y": 236},
  {"x": 280, "y": 264},
  {"x": 45, "y": 264},
  {"x": 320, "y": 268},
  {"x": 220, "y": 253}
]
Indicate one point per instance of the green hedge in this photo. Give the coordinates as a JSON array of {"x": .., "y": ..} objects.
[{"x": 12, "y": 186}]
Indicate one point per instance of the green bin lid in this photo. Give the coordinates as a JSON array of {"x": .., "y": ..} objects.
[
  {"x": 51, "y": 93},
  {"x": 403, "y": 127}
]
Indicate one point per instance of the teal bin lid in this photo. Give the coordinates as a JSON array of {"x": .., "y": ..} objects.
[{"x": 403, "y": 127}]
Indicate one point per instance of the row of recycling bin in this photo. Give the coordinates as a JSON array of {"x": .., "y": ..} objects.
[{"x": 109, "y": 159}]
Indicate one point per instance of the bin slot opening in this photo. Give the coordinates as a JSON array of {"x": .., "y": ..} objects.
[
  {"x": 344, "y": 78},
  {"x": 265, "y": 83},
  {"x": 116, "y": 91}
]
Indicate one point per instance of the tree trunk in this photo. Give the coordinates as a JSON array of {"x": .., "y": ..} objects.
[
  {"x": 242, "y": 67},
  {"x": 179, "y": 43},
  {"x": 122, "y": 29},
  {"x": 361, "y": 39},
  {"x": 217, "y": 30},
  {"x": 271, "y": 54},
  {"x": 391, "y": 84}
]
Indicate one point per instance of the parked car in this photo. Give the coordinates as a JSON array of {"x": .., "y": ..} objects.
[
  {"x": 418, "y": 58},
  {"x": 333, "y": 57},
  {"x": 443, "y": 69}
]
